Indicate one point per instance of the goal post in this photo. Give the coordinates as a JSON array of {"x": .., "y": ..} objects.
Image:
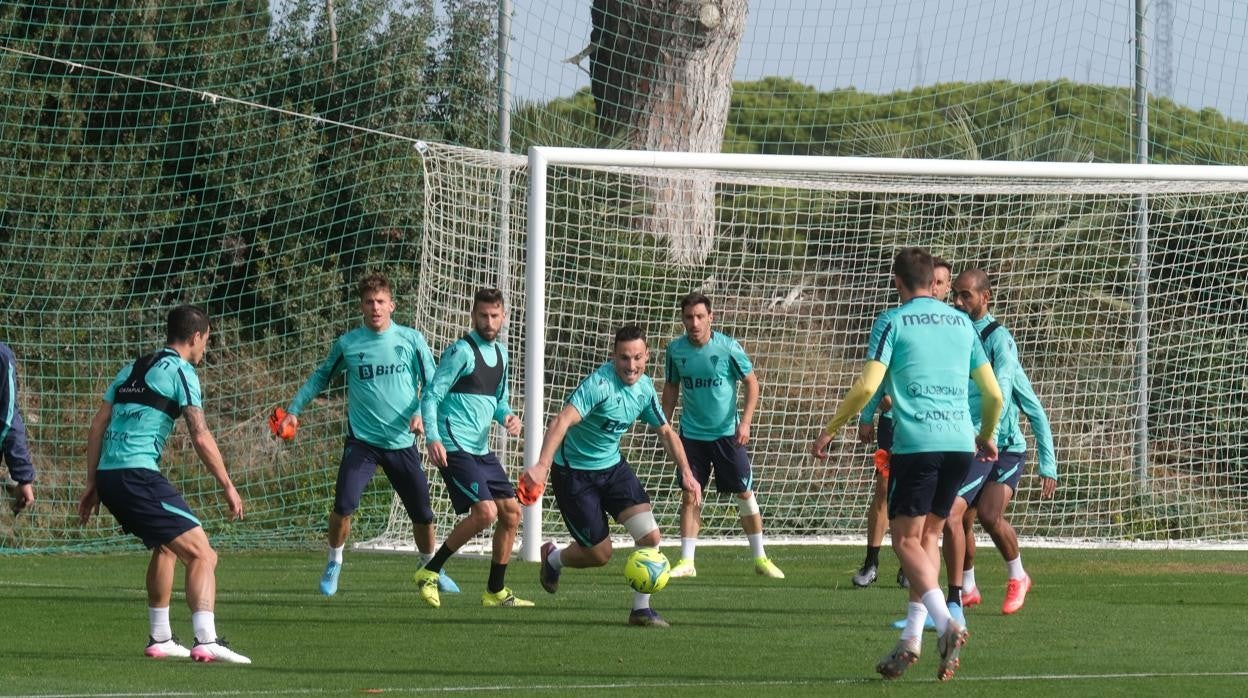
[{"x": 1132, "y": 334}]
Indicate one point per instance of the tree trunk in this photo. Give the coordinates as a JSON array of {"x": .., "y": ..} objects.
[{"x": 661, "y": 74}]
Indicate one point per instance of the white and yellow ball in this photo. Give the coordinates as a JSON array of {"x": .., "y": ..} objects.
[{"x": 647, "y": 570}]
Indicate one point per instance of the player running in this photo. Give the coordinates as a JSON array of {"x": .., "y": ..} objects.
[
  {"x": 581, "y": 456},
  {"x": 386, "y": 366},
  {"x": 467, "y": 395},
  {"x": 877, "y": 512},
  {"x": 923, "y": 351},
  {"x": 990, "y": 497},
  {"x": 124, "y": 445}
]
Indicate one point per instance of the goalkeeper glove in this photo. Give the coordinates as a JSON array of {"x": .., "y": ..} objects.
[{"x": 275, "y": 425}]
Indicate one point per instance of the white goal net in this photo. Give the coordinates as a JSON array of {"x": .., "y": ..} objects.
[{"x": 1126, "y": 288}]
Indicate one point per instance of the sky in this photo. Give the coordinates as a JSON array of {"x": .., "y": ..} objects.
[{"x": 880, "y": 46}]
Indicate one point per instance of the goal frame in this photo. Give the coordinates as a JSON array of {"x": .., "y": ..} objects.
[{"x": 541, "y": 158}]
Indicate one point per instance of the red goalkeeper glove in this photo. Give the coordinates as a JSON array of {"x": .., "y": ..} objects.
[
  {"x": 275, "y": 425},
  {"x": 527, "y": 491}
]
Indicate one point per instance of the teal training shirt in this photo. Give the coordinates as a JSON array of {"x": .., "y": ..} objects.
[
  {"x": 385, "y": 372},
  {"x": 608, "y": 408},
  {"x": 136, "y": 433},
  {"x": 930, "y": 349},
  {"x": 1002, "y": 353},
  {"x": 458, "y": 406},
  {"x": 1027, "y": 401},
  {"x": 708, "y": 377}
]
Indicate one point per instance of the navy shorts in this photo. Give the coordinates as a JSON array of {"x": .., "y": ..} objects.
[
  {"x": 402, "y": 467},
  {"x": 925, "y": 483},
  {"x": 884, "y": 433},
  {"x": 586, "y": 497},
  {"x": 471, "y": 478},
  {"x": 1008, "y": 469},
  {"x": 976, "y": 478},
  {"x": 145, "y": 504},
  {"x": 728, "y": 459}
]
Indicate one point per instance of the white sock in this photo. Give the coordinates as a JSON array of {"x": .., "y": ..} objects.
[
  {"x": 335, "y": 554},
  {"x": 555, "y": 560},
  {"x": 205, "y": 625},
  {"x": 968, "y": 579},
  {"x": 934, "y": 602},
  {"x": 916, "y": 615},
  {"x": 688, "y": 546},
  {"x": 1014, "y": 568},
  {"x": 158, "y": 624},
  {"x": 756, "y": 544},
  {"x": 640, "y": 601}
]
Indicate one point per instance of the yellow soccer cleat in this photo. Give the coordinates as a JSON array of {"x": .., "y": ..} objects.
[
  {"x": 767, "y": 568},
  {"x": 504, "y": 599},
  {"x": 427, "y": 585},
  {"x": 683, "y": 568}
]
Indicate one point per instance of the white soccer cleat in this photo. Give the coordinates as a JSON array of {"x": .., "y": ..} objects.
[
  {"x": 217, "y": 651},
  {"x": 895, "y": 663},
  {"x": 950, "y": 646},
  {"x": 167, "y": 648}
]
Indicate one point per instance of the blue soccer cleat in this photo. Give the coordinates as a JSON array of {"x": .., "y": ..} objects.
[
  {"x": 647, "y": 618},
  {"x": 329, "y": 580},
  {"x": 928, "y": 624},
  {"x": 959, "y": 616},
  {"x": 446, "y": 584}
]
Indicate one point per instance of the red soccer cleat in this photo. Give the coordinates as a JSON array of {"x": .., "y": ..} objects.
[
  {"x": 971, "y": 598},
  {"x": 1015, "y": 593}
]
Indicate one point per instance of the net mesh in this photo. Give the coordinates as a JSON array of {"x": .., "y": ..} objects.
[
  {"x": 255, "y": 162},
  {"x": 798, "y": 272},
  {"x": 256, "y": 157}
]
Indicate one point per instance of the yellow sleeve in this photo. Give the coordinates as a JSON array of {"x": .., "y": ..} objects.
[
  {"x": 990, "y": 400},
  {"x": 859, "y": 394}
]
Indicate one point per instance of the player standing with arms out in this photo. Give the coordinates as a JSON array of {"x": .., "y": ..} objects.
[
  {"x": 124, "y": 445},
  {"x": 923, "y": 351},
  {"x": 591, "y": 479},
  {"x": 973, "y": 293},
  {"x": 708, "y": 365},
  {"x": 877, "y": 513},
  {"x": 13, "y": 443},
  {"x": 386, "y": 366},
  {"x": 468, "y": 393}
]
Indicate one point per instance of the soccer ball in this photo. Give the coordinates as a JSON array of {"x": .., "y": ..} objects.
[{"x": 647, "y": 570}]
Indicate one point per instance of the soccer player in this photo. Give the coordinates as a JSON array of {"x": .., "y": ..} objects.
[
  {"x": 467, "y": 395},
  {"x": 877, "y": 513},
  {"x": 708, "y": 365},
  {"x": 973, "y": 292},
  {"x": 591, "y": 479},
  {"x": 922, "y": 352},
  {"x": 13, "y": 444},
  {"x": 124, "y": 445},
  {"x": 386, "y": 366}
]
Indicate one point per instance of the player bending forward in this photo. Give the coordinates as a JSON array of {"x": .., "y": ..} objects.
[{"x": 581, "y": 456}]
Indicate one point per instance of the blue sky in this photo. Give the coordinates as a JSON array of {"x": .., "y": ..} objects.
[{"x": 887, "y": 45}]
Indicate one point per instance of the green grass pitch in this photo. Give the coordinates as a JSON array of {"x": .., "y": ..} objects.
[{"x": 1107, "y": 623}]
